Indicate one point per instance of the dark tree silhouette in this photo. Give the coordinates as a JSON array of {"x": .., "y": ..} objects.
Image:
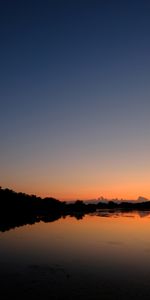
[{"x": 17, "y": 209}]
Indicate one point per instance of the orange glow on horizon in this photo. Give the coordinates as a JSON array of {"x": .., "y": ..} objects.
[{"x": 129, "y": 192}]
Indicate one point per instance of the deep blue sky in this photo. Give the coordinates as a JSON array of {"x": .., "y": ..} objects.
[{"x": 75, "y": 97}]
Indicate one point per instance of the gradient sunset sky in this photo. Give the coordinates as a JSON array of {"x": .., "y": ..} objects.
[{"x": 75, "y": 98}]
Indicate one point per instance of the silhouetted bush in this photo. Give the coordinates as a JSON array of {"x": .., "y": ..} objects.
[{"x": 17, "y": 209}]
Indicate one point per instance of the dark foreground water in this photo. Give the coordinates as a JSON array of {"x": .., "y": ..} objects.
[{"x": 104, "y": 256}]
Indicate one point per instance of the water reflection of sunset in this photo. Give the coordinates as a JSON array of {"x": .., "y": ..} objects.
[
  {"x": 83, "y": 255},
  {"x": 124, "y": 235}
]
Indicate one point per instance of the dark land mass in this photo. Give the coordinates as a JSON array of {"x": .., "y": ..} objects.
[{"x": 18, "y": 209}]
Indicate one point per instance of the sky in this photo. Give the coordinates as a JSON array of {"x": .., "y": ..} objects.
[{"x": 75, "y": 98}]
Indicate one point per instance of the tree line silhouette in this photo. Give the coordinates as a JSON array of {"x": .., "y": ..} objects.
[{"x": 17, "y": 209}]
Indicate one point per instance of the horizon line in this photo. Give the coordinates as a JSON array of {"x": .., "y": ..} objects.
[{"x": 97, "y": 199}]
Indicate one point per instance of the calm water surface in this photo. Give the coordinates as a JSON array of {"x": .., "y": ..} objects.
[{"x": 104, "y": 256}]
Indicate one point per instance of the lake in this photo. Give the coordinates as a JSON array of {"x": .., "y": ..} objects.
[{"x": 101, "y": 256}]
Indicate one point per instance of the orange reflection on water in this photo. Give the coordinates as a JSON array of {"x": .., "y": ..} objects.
[{"x": 95, "y": 239}]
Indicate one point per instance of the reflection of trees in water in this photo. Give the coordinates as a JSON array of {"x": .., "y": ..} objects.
[
  {"x": 124, "y": 213},
  {"x": 18, "y": 209}
]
